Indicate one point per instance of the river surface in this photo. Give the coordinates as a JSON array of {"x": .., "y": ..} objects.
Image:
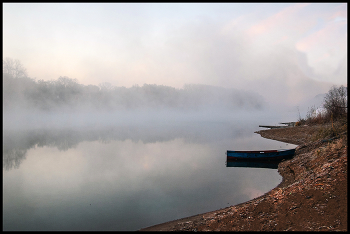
[{"x": 127, "y": 176}]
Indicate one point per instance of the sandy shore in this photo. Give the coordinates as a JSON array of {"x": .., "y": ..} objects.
[{"x": 311, "y": 197}]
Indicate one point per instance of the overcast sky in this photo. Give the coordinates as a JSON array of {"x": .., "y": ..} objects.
[{"x": 283, "y": 51}]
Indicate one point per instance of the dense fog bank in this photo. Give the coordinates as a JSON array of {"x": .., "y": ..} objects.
[
  {"x": 63, "y": 113},
  {"x": 67, "y": 131},
  {"x": 65, "y": 94}
]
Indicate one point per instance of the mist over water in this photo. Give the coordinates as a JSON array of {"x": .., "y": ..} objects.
[
  {"x": 95, "y": 165},
  {"x": 51, "y": 177},
  {"x": 142, "y": 169},
  {"x": 94, "y": 156}
]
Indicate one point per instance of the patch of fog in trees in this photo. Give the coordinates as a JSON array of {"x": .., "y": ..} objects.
[
  {"x": 62, "y": 113},
  {"x": 64, "y": 102}
]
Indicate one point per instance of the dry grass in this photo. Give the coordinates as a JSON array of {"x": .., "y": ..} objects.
[
  {"x": 323, "y": 118},
  {"x": 331, "y": 130}
]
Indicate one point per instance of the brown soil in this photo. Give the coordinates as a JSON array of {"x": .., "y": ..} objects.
[{"x": 311, "y": 197}]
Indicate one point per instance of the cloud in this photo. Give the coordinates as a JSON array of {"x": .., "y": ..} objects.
[
  {"x": 326, "y": 48},
  {"x": 341, "y": 13},
  {"x": 318, "y": 31},
  {"x": 240, "y": 51},
  {"x": 332, "y": 33},
  {"x": 282, "y": 19},
  {"x": 224, "y": 55}
]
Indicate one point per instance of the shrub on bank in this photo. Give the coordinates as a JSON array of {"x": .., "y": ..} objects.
[{"x": 333, "y": 109}]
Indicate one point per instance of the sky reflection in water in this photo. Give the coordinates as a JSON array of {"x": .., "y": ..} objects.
[{"x": 126, "y": 177}]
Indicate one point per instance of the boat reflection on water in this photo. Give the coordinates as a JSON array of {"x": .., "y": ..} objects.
[
  {"x": 258, "y": 158},
  {"x": 252, "y": 164}
]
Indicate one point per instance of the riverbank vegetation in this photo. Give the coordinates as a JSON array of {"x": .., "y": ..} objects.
[
  {"x": 334, "y": 108},
  {"x": 332, "y": 115}
]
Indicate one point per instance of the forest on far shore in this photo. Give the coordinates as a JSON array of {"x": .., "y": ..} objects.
[{"x": 21, "y": 91}]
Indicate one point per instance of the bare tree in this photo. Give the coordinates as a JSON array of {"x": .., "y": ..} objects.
[
  {"x": 335, "y": 101},
  {"x": 13, "y": 68},
  {"x": 105, "y": 86}
]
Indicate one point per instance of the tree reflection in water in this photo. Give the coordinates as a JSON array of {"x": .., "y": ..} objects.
[{"x": 16, "y": 143}]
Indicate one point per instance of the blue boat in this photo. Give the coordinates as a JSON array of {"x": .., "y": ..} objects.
[{"x": 263, "y": 155}]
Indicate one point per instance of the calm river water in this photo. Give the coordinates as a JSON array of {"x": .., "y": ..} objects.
[{"x": 127, "y": 176}]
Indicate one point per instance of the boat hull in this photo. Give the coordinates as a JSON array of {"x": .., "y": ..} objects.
[{"x": 265, "y": 155}]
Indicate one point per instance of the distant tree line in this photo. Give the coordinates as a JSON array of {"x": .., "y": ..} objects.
[{"x": 21, "y": 91}]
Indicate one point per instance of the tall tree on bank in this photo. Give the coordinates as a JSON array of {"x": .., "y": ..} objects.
[{"x": 335, "y": 101}]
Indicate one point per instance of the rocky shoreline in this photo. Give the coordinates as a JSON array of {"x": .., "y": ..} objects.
[{"x": 311, "y": 197}]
